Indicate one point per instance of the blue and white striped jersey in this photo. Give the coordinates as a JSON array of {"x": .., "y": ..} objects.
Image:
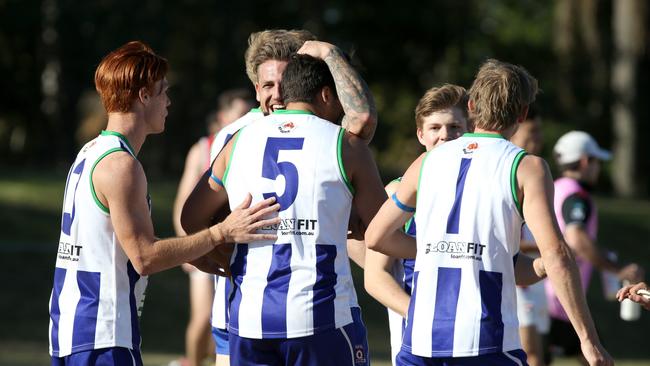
[
  {"x": 463, "y": 301},
  {"x": 222, "y": 285},
  {"x": 403, "y": 273},
  {"x": 300, "y": 284},
  {"x": 97, "y": 294}
]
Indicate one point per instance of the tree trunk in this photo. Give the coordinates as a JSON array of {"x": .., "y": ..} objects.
[{"x": 628, "y": 26}]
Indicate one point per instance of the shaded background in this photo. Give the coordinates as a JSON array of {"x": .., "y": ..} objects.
[{"x": 590, "y": 57}]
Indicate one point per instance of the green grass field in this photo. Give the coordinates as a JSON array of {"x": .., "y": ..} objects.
[{"x": 30, "y": 206}]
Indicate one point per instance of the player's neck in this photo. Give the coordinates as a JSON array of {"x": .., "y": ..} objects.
[
  {"x": 506, "y": 134},
  {"x": 301, "y": 106},
  {"x": 130, "y": 126}
]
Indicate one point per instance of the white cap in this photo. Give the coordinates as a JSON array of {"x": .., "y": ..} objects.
[{"x": 575, "y": 144}]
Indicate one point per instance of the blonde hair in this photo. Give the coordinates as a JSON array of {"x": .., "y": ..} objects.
[
  {"x": 500, "y": 93},
  {"x": 273, "y": 44},
  {"x": 440, "y": 98}
]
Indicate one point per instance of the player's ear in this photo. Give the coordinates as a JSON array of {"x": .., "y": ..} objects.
[
  {"x": 327, "y": 94},
  {"x": 143, "y": 95}
]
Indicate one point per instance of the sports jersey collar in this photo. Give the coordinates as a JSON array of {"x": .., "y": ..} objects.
[
  {"x": 120, "y": 136},
  {"x": 292, "y": 111},
  {"x": 492, "y": 135}
]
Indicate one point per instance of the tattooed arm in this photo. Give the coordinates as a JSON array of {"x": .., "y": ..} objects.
[{"x": 353, "y": 92}]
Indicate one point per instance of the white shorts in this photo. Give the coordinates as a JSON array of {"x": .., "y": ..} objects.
[{"x": 532, "y": 308}]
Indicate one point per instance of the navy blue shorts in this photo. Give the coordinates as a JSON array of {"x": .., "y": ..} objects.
[
  {"x": 511, "y": 358},
  {"x": 337, "y": 347},
  {"x": 221, "y": 340},
  {"x": 101, "y": 357}
]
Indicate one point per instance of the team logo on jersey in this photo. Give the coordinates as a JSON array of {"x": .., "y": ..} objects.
[
  {"x": 69, "y": 251},
  {"x": 457, "y": 249},
  {"x": 359, "y": 355},
  {"x": 294, "y": 226},
  {"x": 470, "y": 147},
  {"x": 286, "y": 127}
]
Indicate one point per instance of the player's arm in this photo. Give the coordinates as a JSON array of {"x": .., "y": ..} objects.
[
  {"x": 384, "y": 234},
  {"x": 208, "y": 199},
  {"x": 378, "y": 277},
  {"x": 358, "y": 104},
  {"x": 576, "y": 212},
  {"x": 120, "y": 185},
  {"x": 528, "y": 270},
  {"x": 192, "y": 172},
  {"x": 535, "y": 184}
]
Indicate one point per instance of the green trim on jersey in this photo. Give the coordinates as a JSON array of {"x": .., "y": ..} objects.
[
  {"x": 396, "y": 180},
  {"x": 292, "y": 111},
  {"x": 255, "y": 110},
  {"x": 339, "y": 155},
  {"x": 92, "y": 186},
  {"x": 420, "y": 175},
  {"x": 232, "y": 152},
  {"x": 408, "y": 224},
  {"x": 513, "y": 180},
  {"x": 492, "y": 135},
  {"x": 121, "y": 137}
]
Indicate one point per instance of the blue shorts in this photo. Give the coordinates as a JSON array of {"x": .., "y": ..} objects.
[
  {"x": 114, "y": 356},
  {"x": 221, "y": 340},
  {"x": 511, "y": 358},
  {"x": 343, "y": 346}
]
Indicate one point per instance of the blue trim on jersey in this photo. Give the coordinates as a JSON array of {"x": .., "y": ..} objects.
[
  {"x": 135, "y": 326},
  {"x": 323, "y": 290},
  {"x": 55, "y": 310},
  {"x": 226, "y": 308},
  {"x": 409, "y": 267},
  {"x": 491, "y": 333},
  {"x": 408, "y": 332},
  {"x": 454, "y": 214},
  {"x": 400, "y": 205},
  {"x": 216, "y": 180},
  {"x": 274, "y": 302},
  {"x": 444, "y": 320},
  {"x": 221, "y": 341},
  {"x": 409, "y": 264},
  {"x": 85, "y": 316},
  {"x": 104, "y": 356},
  {"x": 238, "y": 270}
]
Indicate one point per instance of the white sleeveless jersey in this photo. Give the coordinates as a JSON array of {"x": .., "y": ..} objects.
[
  {"x": 225, "y": 134},
  {"x": 469, "y": 226},
  {"x": 222, "y": 284},
  {"x": 97, "y": 294},
  {"x": 300, "y": 284}
]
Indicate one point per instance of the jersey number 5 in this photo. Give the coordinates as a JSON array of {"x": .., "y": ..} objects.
[{"x": 272, "y": 168}]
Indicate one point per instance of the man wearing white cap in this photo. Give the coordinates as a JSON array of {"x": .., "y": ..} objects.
[{"x": 579, "y": 157}]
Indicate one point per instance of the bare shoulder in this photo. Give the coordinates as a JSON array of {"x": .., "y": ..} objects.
[
  {"x": 119, "y": 171},
  {"x": 532, "y": 166}
]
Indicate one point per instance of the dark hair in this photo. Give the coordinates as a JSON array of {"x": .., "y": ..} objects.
[{"x": 304, "y": 77}]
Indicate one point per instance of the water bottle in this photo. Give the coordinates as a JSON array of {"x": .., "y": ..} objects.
[{"x": 630, "y": 311}]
